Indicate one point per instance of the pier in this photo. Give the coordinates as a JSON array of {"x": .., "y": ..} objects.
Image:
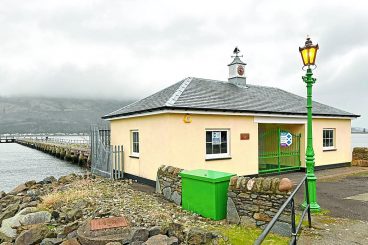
[
  {"x": 7, "y": 139},
  {"x": 75, "y": 151}
]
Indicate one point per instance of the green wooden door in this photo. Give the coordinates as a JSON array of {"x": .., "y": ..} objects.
[{"x": 279, "y": 151}]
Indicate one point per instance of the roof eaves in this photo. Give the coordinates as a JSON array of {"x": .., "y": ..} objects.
[{"x": 227, "y": 110}]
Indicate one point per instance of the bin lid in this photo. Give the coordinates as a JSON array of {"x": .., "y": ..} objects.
[{"x": 206, "y": 175}]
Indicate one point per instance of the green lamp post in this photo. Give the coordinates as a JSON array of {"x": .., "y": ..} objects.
[{"x": 309, "y": 53}]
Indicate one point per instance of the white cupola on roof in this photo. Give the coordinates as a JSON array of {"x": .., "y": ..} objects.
[{"x": 237, "y": 70}]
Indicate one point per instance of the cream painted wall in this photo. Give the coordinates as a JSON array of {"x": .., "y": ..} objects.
[
  {"x": 342, "y": 153},
  {"x": 166, "y": 139}
]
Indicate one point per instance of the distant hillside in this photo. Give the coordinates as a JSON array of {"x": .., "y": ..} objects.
[{"x": 50, "y": 115}]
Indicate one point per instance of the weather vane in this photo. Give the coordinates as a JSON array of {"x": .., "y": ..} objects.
[{"x": 236, "y": 52}]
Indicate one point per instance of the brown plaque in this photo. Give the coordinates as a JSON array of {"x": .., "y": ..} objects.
[
  {"x": 244, "y": 136},
  {"x": 108, "y": 223}
]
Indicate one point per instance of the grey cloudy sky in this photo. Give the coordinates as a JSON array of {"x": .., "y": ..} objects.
[{"x": 130, "y": 49}]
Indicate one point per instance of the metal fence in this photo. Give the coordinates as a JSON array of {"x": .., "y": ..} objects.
[
  {"x": 294, "y": 227},
  {"x": 106, "y": 160}
]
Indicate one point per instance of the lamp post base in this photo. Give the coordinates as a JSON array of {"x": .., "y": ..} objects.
[{"x": 312, "y": 189}]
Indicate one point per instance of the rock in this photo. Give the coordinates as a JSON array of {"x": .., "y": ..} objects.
[
  {"x": 6, "y": 243},
  {"x": 34, "y": 235},
  {"x": 232, "y": 215},
  {"x": 158, "y": 186},
  {"x": 176, "y": 198},
  {"x": 153, "y": 231},
  {"x": 70, "y": 227},
  {"x": 49, "y": 180},
  {"x": 51, "y": 241},
  {"x": 10, "y": 211},
  {"x": 74, "y": 214},
  {"x": 282, "y": 228},
  {"x": 266, "y": 185},
  {"x": 198, "y": 236},
  {"x": 250, "y": 184},
  {"x": 5, "y": 238},
  {"x": 177, "y": 230},
  {"x": 167, "y": 192},
  {"x": 139, "y": 234},
  {"x": 113, "y": 243},
  {"x": 285, "y": 185},
  {"x": 162, "y": 240},
  {"x": 35, "y": 218},
  {"x": 30, "y": 183},
  {"x": 261, "y": 217},
  {"x": 2, "y": 194},
  {"x": 19, "y": 188},
  {"x": 55, "y": 214},
  {"x": 101, "y": 237},
  {"x": 73, "y": 241}
]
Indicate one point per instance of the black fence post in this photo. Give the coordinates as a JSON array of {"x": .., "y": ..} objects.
[
  {"x": 308, "y": 203},
  {"x": 293, "y": 226}
]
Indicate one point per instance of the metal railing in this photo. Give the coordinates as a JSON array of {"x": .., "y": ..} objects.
[
  {"x": 58, "y": 140},
  {"x": 294, "y": 228}
]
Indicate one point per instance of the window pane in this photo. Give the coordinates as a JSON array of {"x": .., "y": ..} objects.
[
  {"x": 224, "y": 148},
  {"x": 134, "y": 147},
  {"x": 224, "y": 136},
  {"x": 137, "y": 136},
  {"x": 216, "y": 149},
  {"x": 324, "y": 134},
  {"x": 208, "y": 148},
  {"x": 324, "y": 142},
  {"x": 137, "y": 147},
  {"x": 134, "y": 136},
  {"x": 209, "y": 136},
  {"x": 331, "y": 134}
]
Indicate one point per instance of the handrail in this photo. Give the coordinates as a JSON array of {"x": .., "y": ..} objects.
[{"x": 294, "y": 229}]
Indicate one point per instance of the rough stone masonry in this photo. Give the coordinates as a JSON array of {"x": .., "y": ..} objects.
[
  {"x": 169, "y": 183},
  {"x": 256, "y": 200},
  {"x": 360, "y": 157}
]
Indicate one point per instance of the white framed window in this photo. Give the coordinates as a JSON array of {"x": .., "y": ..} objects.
[
  {"x": 329, "y": 138},
  {"x": 134, "y": 143},
  {"x": 217, "y": 143}
]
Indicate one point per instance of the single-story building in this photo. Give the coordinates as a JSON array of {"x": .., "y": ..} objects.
[{"x": 229, "y": 126}]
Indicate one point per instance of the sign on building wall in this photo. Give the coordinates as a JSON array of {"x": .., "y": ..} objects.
[
  {"x": 216, "y": 138},
  {"x": 286, "y": 139}
]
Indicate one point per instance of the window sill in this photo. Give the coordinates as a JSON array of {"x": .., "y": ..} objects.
[
  {"x": 218, "y": 158},
  {"x": 329, "y": 149},
  {"x": 134, "y": 156}
]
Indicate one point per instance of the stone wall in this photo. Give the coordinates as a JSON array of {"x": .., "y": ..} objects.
[
  {"x": 169, "y": 183},
  {"x": 256, "y": 200},
  {"x": 360, "y": 157}
]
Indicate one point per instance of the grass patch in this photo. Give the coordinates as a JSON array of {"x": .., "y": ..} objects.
[
  {"x": 240, "y": 235},
  {"x": 58, "y": 199}
]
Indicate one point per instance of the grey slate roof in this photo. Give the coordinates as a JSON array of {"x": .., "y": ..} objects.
[
  {"x": 212, "y": 95},
  {"x": 237, "y": 60}
]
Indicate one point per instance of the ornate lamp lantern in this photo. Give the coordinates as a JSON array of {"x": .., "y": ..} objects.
[{"x": 309, "y": 52}]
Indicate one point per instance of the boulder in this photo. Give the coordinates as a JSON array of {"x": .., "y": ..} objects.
[
  {"x": 100, "y": 237},
  {"x": 113, "y": 243},
  {"x": 19, "y": 188},
  {"x": 49, "y": 180},
  {"x": 5, "y": 238},
  {"x": 35, "y": 218},
  {"x": 30, "y": 183},
  {"x": 176, "y": 198},
  {"x": 139, "y": 234},
  {"x": 10, "y": 211},
  {"x": 198, "y": 236},
  {"x": 162, "y": 239},
  {"x": 232, "y": 215},
  {"x": 9, "y": 225},
  {"x": 167, "y": 192},
  {"x": 74, "y": 214},
  {"x": 155, "y": 230},
  {"x": 70, "y": 227},
  {"x": 2, "y": 194},
  {"x": 285, "y": 185},
  {"x": 34, "y": 235}
]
